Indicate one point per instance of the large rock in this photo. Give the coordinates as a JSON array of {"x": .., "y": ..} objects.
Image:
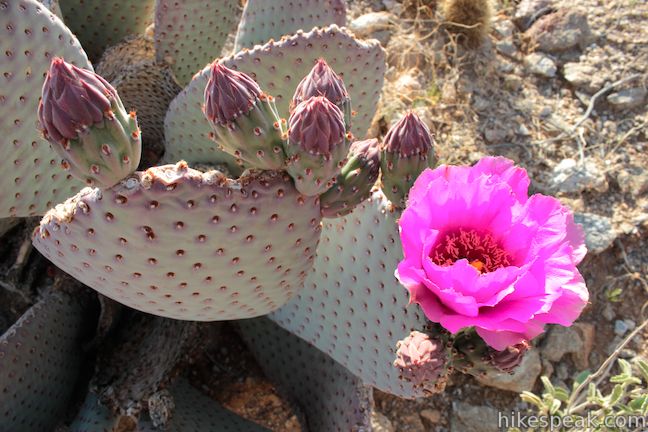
[
  {"x": 471, "y": 418},
  {"x": 540, "y": 64},
  {"x": 560, "y": 31},
  {"x": 522, "y": 379},
  {"x": 580, "y": 75},
  {"x": 560, "y": 341},
  {"x": 528, "y": 11},
  {"x": 569, "y": 176},
  {"x": 376, "y": 25}
]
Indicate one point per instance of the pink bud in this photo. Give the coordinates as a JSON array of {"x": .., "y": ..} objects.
[
  {"x": 510, "y": 358},
  {"x": 73, "y": 100},
  {"x": 317, "y": 126},
  {"x": 229, "y": 94},
  {"x": 321, "y": 81},
  {"x": 409, "y": 137},
  {"x": 421, "y": 361}
]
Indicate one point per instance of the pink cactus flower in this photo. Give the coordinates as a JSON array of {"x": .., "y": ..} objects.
[{"x": 479, "y": 252}]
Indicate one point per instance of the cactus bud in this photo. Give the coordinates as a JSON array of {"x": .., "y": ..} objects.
[
  {"x": 421, "y": 360},
  {"x": 317, "y": 145},
  {"x": 407, "y": 151},
  {"x": 244, "y": 119},
  {"x": 323, "y": 81},
  {"x": 83, "y": 118},
  {"x": 510, "y": 358},
  {"x": 353, "y": 184}
]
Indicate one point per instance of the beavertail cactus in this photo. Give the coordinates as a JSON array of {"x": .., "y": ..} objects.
[
  {"x": 471, "y": 355},
  {"x": 84, "y": 120},
  {"x": 422, "y": 360},
  {"x": 244, "y": 119},
  {"x": 354, "y": 183},
  {"x": 407, "y": 151},
  {"x": 317, "y": 145}
]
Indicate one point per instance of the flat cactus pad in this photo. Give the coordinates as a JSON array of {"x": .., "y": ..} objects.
[
  {"x": 30, "y": 37},
  {"x": 179, "y": 243}
]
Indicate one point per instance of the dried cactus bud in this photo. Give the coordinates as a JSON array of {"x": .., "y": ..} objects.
[
  {"x": 317, "y": 145},
  {"x": 244, "y": 120},
  {"x": 353, "y": 185},
  {"x": 510, "y": 358},
  {"x": 323, "y": 81},
  {"x": 83, "y": 118},
  {"x": 422, "y": 361},
  {"x": 408, "y": 149},
  {"x": 229, "y": 94}
]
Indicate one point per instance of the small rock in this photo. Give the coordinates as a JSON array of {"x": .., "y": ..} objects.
[
  {"x": 608, "y": 312},
  {"x": 494, "y": 134},
  {"x": 560, "y": 31},
  {"x": 523, "y": 130},
  {"x": 627, "y": 99},
  {"x": 621, "y": 327},
  {"x": 586, "y": 331},
  {"x": 407, "y": 84},
  {"x": 560, "y": 341},
  {"x": 431, "y": 416},
  {"x": 411, "y": 423},
  {"x": 523, "y": 377},
  {"x": 471, "y": 418},
  {"x": 393, "y": 6},
  {"x": 504, "y": 28},
  {"x": 580, "y": 75},
  {"x": 540, "y": 64},
  {"x": 506, "y": 47},
  {"x": 632, "y": 180},
  {"x": 545, "y": 111},
  {"x": 380, "y": 422},
  {"x": 377, "y": 25},
  {"x": 599, "y": 234},
  {"x": 571, "y": 177},
  {"x": 529, "y": 10}
]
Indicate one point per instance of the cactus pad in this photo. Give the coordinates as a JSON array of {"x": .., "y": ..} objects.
[
  {"x": 40, "y": 360},
  {"x": 99, "y": 24},
  {"x": 332, "y": 398},
  {"x": 191, "y": 33},
  {"x": 278, "y": 67},
  {"x": 178, "y": 243},
  {"x": 263, "y": 20},
  {"x": 30, "y": 37},
  {"x": 352, "y": 306}
]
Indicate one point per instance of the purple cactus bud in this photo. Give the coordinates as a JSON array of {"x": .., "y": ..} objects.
[
  {"x": 317, "y": 126},
  {"x": 229, "y": 94},
  {"x": 321, "y": 81},
  {"x": 408, "y": 137},
  {"x": 421, "y": 361},
  {"x": 510, "y": 358},
  {"x": 73, "y": 100}
]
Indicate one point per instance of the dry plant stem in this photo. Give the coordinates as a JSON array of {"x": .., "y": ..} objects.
[
  {"x": 590, "y": 108},
  {"x": 600, "y": 374}
]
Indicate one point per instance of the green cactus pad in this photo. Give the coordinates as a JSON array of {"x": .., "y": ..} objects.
[
  {"x": 331, "y": 398},
  {"x": 99, "y": 24},
  {"x": 178, "y": 243},
  {"x": 352, "y": 306},
  {"x": 40, "y": 361},
  {"x": 30, "y": 37},
  {"x": 144, "y": 343},
  {"x": 263, "y": 20},
  {"x": 195, "y": 412},
  {"x": 94, "y": 417},
  {"x": 278, "y": 67},
  {"x": 191, "y": 33}
]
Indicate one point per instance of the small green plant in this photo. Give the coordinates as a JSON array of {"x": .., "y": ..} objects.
[{"x": 622, "y": 406}]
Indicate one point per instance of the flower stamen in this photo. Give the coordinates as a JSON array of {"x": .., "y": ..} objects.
[{"x": 481, "y": 250}]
